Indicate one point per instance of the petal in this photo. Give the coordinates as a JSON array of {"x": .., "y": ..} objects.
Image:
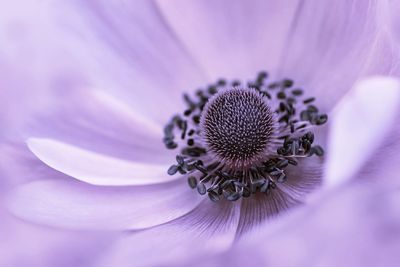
[
  {"x": 232, "y": 39},
  {"x": 71, "y": 204},
  {"x": 331, "y": 45},
  {"x": 18, "y": 165},
  {"x": 374, "y": 230},
  {"x": 95, "y": 168},
  {"x": 49, "y": 247},
  {"x": 208, "y": 229},
  {"x": 383, "y": 167},
  {"x": 356, "y": 226},
  {"x": 390, "y": 19},
  {"x": 259, "y": 209},
  {"x": 126, "y": 49},
  {"x": 96, "y": 121},
  {"x": 359, "y": 124}
]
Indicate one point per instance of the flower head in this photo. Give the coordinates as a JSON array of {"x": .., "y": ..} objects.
[
  {"x": 240, "y": 140},
  {"x": 101, "y": 155}
]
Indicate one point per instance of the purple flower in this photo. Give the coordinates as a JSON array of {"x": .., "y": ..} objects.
[{"x": 95, "y": 156}]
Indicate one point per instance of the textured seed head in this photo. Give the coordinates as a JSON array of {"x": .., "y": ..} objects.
[{"x": 236, "y": 126}]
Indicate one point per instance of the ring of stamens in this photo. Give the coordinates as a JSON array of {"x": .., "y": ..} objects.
[{"x": 237, "y": 141}]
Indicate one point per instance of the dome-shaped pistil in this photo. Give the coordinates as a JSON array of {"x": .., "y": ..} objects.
[{"x": 236, "y": 126}]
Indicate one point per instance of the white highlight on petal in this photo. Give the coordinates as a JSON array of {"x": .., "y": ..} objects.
[
  {"x": 359, "y": 123},
  {"x": 117, "y": 105},
  {"x": 95, "y": 168}
]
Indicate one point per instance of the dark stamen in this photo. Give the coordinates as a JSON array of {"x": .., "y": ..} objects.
[{"x": 227, "y": 135}]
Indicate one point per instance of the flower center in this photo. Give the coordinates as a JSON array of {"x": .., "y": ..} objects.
[
  {"x": 236, "y": 126},
  {"x": 237, "y": 141}
]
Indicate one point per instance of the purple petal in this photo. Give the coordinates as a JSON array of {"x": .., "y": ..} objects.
[
  {"x": 390, "y": 19},
  {"x": 71, "y": 204},
  {"x": 359, "y": 124},
  {"x": 358, "y": 227},
  {"x": 258, "y": 209},
  {"x": 95, "y": 168},
  {"x": 331, "y": 45},
  {"x": 302, "y": 180},
  {"x": 383, "y": 167},
  {"x": 132, "y": 55},
  {"x": 231, "y": 39},
  {"x": 355, "y": 226},
  {"x": 26, "y": 244},
  {"x": 208, "y": 229},
  {"x": 98, "y": 122}
]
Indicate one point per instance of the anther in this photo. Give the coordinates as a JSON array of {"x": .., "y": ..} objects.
[{"x": 239, "y": 141}]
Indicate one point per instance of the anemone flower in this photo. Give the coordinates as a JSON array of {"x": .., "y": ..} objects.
[
  {"x": 355, "y": 222},
  {"x": 168, "y": 131}
]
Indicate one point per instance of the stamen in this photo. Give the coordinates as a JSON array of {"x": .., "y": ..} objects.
[{"x": 237, "y": 141}]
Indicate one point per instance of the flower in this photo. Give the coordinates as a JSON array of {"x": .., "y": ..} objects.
[
  {"x": 99, "y": 152},
  {"x": 354, "y": 223}
]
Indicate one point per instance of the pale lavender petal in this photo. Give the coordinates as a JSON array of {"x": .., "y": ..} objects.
[
  {"x": 26, "y": 87},
  {"x": 16, "y": 93},
  {"x": 390, "y": 19},
  {"x": 332, "y": 45},
  {"x": 18, "y": 165},
  {"x": 25, "y": 244},
  {"x": 72, "y": 204},
  {"x": 127, "y": 50},
  {"x": 355, "y": 226},
  {"x": 95, "y": 168},
  {"x": 382, "y": 169},
  {"x": 94, "y": 120},
  {"x": 259, "y": 209},
  {"x": 359, "y": 124},
  {"x": 207, "y": 230},
  {"x": 232, "y": 39},
  {"x": 366, "y": 233}
]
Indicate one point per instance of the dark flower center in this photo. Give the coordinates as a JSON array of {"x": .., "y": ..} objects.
[
  {"x": 236, "y": 125},
  {"x": 237, "y": 140}
]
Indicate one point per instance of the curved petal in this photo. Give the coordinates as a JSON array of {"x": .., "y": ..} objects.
[
  {"x": 24, "y": 88},
  {"x": 359, "y": 124},
  {"x": 49, "y": 247},
  {"x": 94, "y": 168},
  {"x": 16, "y": 90},
  {"x": 356, "y": 226},
  {"x": 127, "y": 49},
  {"x": 302, "y": 179},
  {"x": 331, "y": 45},
  {"x": 390, "y": 19},
  {"x": 383, "y": 167},
  {"x": 18, "y": 165},
  {"x": 207, "y": 230},
  {"x": 94, "y": 120},
  {"x": 72, "y": 204},
  {"x": 258, "y": 209},
  {"x": 232, "y": 38}
]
